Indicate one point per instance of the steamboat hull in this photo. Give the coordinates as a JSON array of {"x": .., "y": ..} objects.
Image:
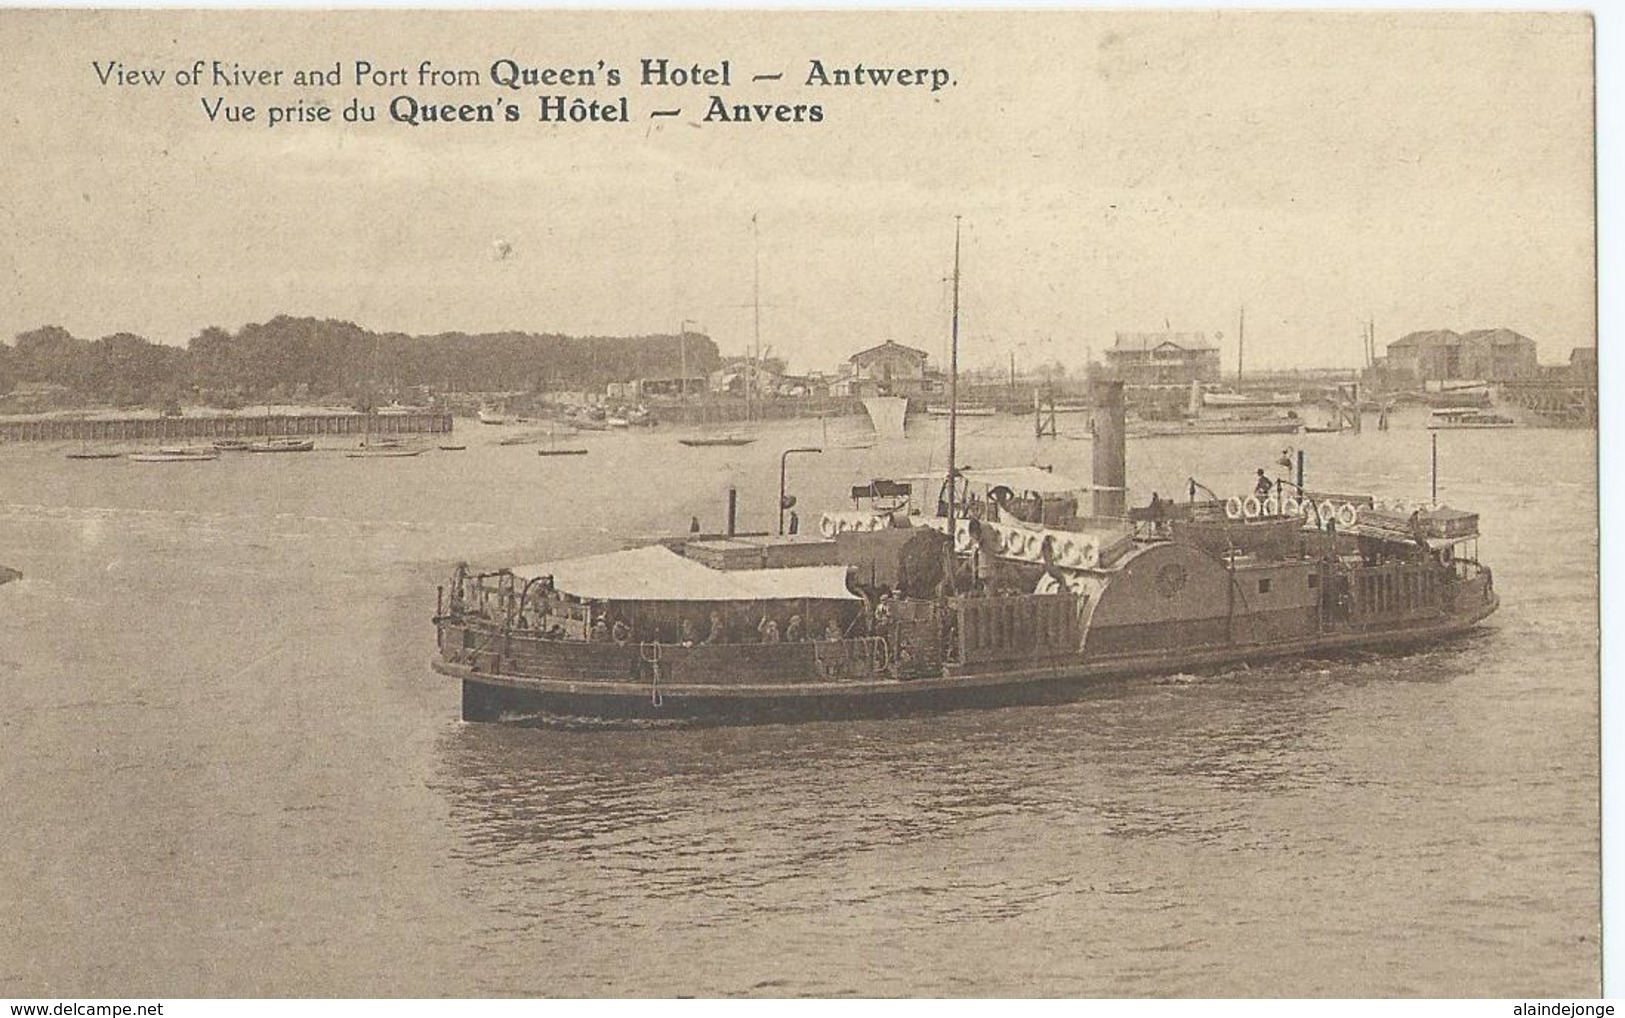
[{"x": 507, "y": 696}]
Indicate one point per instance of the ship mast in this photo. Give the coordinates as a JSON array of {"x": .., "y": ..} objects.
[
  {"x": 1241, "y": 342},
  {"x": 756, "y": 312},
  {"x": 953, "y": 390}
]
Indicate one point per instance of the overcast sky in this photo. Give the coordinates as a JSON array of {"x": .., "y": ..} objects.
[{"x": 1113, "y": 172}]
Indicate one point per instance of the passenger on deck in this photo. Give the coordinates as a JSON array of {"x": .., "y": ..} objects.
[
  {"x": 600, "y": 631},
  {"x": 717, "y": 634},
  {"x": 769, "y": 630},
  {"x": 832, "y": 631},
  {"x": 882, "y": 616},
  {"x": 687, "y": 635},
  {"x": 1263, "y": 486},
  {"x": 1419, "y": 530},
  {"x": 794, "y": 632},
  {"x": 621, "y": 631}
]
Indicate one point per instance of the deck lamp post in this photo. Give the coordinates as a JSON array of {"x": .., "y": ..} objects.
[{"x": 786, "y": 501}]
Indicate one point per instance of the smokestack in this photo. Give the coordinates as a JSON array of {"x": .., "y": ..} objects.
[{"x": 1110, "y": 457}]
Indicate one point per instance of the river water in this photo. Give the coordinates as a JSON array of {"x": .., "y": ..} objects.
[{"x": 229, "y": 771}]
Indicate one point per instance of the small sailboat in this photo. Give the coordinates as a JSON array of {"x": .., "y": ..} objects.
[
  {"x": 383, "y": 452},
  {"x": 888, "y": 415},
  {"x": 283, "y": 445},
  {"x": 729, "y": 439},
  {"x": 177, "y": 454}
]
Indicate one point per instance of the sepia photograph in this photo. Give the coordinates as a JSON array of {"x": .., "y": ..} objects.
[{"x": 799, "y": 504}]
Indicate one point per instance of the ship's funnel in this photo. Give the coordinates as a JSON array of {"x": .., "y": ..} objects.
[{"x": 1110, "y": 457}]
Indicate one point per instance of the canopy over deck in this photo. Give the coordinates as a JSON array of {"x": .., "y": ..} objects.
[{"x": 657, "y": 573}]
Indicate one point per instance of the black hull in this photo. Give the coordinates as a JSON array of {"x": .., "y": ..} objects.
[
  {"x": 519, "y": 699},
  {"x": 484, "y": 701}
]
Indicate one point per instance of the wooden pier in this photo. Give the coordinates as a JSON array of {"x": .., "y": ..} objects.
[
  {"x": 1561, "y": 403},
  {"x": 140, "y": 429}
]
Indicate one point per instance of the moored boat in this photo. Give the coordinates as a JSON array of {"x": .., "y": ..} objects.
[
  {"x": 1247, "y": 399},
  {"x": 704, "y": 441},
  {"x": 283, "y": 445},
  {"x": 964, "y": 410},
  {"x": 1447, "y": 418},
  {"x": 384, "y": 452},
  {"x": 176, "y": 454},
  {"x": 1216, "y": 426}
]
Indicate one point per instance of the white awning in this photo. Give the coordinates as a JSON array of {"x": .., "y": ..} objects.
[{"x": 657, "y": 573}]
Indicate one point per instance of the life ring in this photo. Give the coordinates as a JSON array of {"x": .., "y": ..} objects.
[
  {"x": 1022, "y": 544},
  {"x": 1328, "y": 512},
  {"x": 843, "y": 525},
  {"x": 1232, "y": 507},
  {"x": 1444, "y": 557},
  {"x": 1088, "y": 555},
  {"x": 1270, "y": 506},
  {"x": 1347, "y": 515},
  {"x": 1289, "y": 506},
  {"x": 872, "y": 524},
  {"x": 1067, "y": 552},
  {"x": 1077, "y": 584},
  {"x": 826, "y": 526},
  {"x": 1250, "y": 507},
  {"x": 1047, "y": 584},
  {"x": 1018, "y": 543}
]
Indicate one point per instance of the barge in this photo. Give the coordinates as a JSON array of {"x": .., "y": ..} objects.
[{"x": 985, "y": 588}]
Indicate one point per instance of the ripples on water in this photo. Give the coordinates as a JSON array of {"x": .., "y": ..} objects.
[{"x": 236, "y": 774}]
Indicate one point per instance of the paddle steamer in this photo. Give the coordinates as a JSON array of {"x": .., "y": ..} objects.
[{"x": 1006, "y": 586}]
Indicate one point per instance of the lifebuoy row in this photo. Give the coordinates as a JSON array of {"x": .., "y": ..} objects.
[
  {"x": 1066, "y": 550},
  {"x": 1048, "y": 584},
  {"x": 1252, "y": 507},
  {"x": 841, "y": 523}
]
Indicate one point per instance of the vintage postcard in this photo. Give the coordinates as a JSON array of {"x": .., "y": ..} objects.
[{"x": 785, "y": 503}]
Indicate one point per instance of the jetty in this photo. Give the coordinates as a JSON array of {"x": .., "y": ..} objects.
[{"x": 221, "y": 426}]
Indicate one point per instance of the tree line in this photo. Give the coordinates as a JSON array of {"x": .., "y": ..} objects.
[{"x": 310, "y": 358}]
